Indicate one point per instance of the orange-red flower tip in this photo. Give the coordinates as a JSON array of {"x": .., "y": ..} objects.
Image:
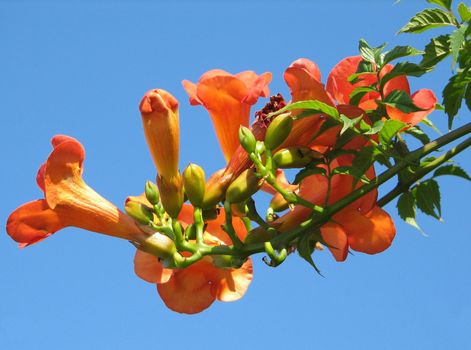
[
  {"x": 159, "y": 110},
  {"x": 228, "y": 98},
  {"x": 424, "y": 99}
]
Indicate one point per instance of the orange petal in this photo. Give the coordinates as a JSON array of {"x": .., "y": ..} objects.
[
  {"x": 303, "y": 79},
  {"x": 33, "y": 222},
  {"x": 159, "y": 110},
  {"x": 76, "y": 203},
  {"x": 371, "y": 233},
  {"x": 189, "y": 290},
  {"x": 257, "y": 85},
  {"x": 223, "y": 97},
  {"x": 424, "y": 99},
  {"x": 336, "y": 239},
  {"x": 149, "y": 268},
  {"x": 231, "y": 284},
  {"x": 397, "y": 83}
]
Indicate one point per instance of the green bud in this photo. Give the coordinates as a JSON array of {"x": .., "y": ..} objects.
[
  {"x": 278, "y": 131},
  {"x": 227, "y": 261},
  {"x": 152, "y": 193},
  {"x": 194, "y": 182},
  {"x": 260, "y": 147},
  {"x": 243, "y": 187},
  {"x": 295, "y": 157},
  {"x": 158, "y": 245},
  {"x": 247, "y": 139},
  {"x": 138, "y": 211},
  {"x": 171, "y": 194}
]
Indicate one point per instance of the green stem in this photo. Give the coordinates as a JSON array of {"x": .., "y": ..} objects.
[
  {"x": 229, "y": 228},
  {"x": 403, "y": 187}
]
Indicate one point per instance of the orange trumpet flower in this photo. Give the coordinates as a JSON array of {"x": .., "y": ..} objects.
[
  {"x": 228, "y": 98},
  {"x": 69, "y": 201},
  {"x": 363, "y": 226},
  {"x": 195, "y": 288},
  {"x": 340, "y": 89}
]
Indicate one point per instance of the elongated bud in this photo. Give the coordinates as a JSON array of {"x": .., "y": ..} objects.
[
  {"x": 216, "y": 189},
  {"x": 194, "y": 182},
  {"x": 157, "y": 244},
  {"x": 278, "y": 203},
  {"x": 159, "y": 111},
  {"x": 152, "y": 193},
  {"x": 227, "y": 261},
  {"x": 247, "y": 139},
  {"x": 278, "y": 131},
  {"x": 243, "y": 187},
  {"x": 171, "y": 194},
  {"x": 295, "y": 157},
  {"x": 138, "y": 211},
  {"x": 260, "y": 147}
]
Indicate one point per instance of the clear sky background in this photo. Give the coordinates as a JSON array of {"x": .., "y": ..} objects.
[{"x": 81, "y": 68}]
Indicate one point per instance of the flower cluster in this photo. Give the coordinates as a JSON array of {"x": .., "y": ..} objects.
[{"x": 199, "y": 252}]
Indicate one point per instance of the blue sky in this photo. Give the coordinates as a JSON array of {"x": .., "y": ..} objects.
[{"x": 81, "y": 68}]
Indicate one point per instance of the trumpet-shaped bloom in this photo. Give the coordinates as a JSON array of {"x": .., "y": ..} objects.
[
  {"x": 304, "y": 81},
  {"x": 195, "y": 288},
  {"x": 363, "y": 226},
  {"x": 340, "y": 89},
  {"x": 228, "y": 98},
  {"x": 68, "y": 201}
]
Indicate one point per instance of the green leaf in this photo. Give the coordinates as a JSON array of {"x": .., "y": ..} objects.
[
  {"x": 401, "y": 100},
  {"x": 305, "y": 247},
  {"x": 376, "y": 128},
  {"x": 361, "y": 163},
  {"x": 467, "y": 96},
  {"x": 400, "y": 51},
  {"x": 435, "y": 51},
  {"x": 311, "y": 105},
  {"x": 308, "y": 172},
  {"x": 452, "y": 169},
  {"x": 406, "y": 208},
  {"x": 403, "y": 68},
  {"x": 453, "y": 94},
  {"x": 416, "y": 132},
  {"x": 427, "y": 195},
  {"x": 430, "y": 124},
  {"x": 457, "y": 39},
  {"x": 370, "y": 54},
  {"x": 443, "y": 3},
  {"x": 390, "y": 129},
  {"x": 358, "y": 94},
  {"x": 428, "y": 19},
  {"x": 464, "y": 11},
  {"x": 349, "y": 123}
]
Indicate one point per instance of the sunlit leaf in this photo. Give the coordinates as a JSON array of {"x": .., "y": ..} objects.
[
  {"x": 428, "y": 19},
  {"x": 400, "y": 51},
  {"x": 451, "y": 169},
  {"x": 436, "y": 50},
  {"x": 406, "y": 208},
  {"x": 427, "y": 195},
  {"x": 390, "y": 129}
]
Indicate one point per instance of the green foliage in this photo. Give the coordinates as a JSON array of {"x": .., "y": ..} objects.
[
  {"x": 308, "y": 171},
  {"x": 452, "y": 169},
  {"x": 435, "y": 51},
  {"x": 457, "y": 39},
  {"x": 464, "y": 11},
  {"x": 443, "y": 3},
  {"x": 371, "y": 54},
  {"x": 454, "y": 93},
  {"x": 406, "y": 208},
  {"x": 312, "y": 106},
  {"x": 418, "y": 133},
  {"x": 390, "y": 129},
  {"x": 400, "y": 51},
  {"x": 427, "y": 195},
  {"x": 359, "y": 92},
  {"x": 403, "y": 68},
  {"x": 305, "y": 246},
  {"x": 401, "y": 100},
  {"x": 428, "y": 19}
]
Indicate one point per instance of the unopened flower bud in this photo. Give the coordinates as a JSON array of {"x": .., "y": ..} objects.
[
  {"x": 227, "y": 261},
  {"x": 171, "y": 194},
  {"x": 158, "y": 245},
  {"x": 295, "y": 157},
  {"x": 278, "y": 203},
  {"x": 243, "y": 187},
  {"x": 194, "y": 182},
  {"x": 215, "y": 189},
  {"x": 278, "y": 131},
  {"x": 159, "y": 110},
  {"x": 138, "y": 211},
  {"x": 260, "y": 147},
  {"x": 247, "y": 139},
  {"x": 152, "y": 193}
]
